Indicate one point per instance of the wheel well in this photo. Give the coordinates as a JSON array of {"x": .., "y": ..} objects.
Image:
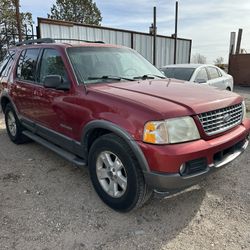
[
  {"x": 94, "y": 134},
  {"x": 4, "y": 102}
]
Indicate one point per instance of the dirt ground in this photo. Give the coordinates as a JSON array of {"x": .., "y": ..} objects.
[{"x": 47, "y": 203}]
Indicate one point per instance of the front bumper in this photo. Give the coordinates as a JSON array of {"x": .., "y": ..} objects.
[
  {"x": 167, "y": 182},
  {"x": 165, "y": 161}
]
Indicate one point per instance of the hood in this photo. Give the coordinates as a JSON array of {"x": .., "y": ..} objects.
[{"x": 195, "y": 98}]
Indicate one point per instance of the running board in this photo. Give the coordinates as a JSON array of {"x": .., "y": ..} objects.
[{"x": 63, "y": 153}]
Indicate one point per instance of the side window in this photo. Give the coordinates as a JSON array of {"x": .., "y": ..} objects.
[
  {"x": 26, "y": 69},
  {"x": 213, "y": 73},
  {"x": 6, "y": 62},
  {"x": 202, "y": 75},
  {"x": 52, "y": 64}
]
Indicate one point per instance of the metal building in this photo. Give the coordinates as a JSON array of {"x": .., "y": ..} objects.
[{"x": 142, "y": 42}]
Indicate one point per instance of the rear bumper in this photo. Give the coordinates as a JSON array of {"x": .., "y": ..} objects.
[{"x": 169, "y": 182}]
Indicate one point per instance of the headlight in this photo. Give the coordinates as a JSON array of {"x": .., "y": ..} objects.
[
  {"x": 244, "y": 111},
  {"x": 173, "y": 130}
]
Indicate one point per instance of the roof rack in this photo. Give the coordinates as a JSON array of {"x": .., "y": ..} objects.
[
  {"x": 77, "y": 40},
  {"x": 42, "y": 40},
  {"x": 52, "y": 40}
]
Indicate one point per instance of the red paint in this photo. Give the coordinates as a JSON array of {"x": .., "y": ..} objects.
[{"x": 129, "y": 105}]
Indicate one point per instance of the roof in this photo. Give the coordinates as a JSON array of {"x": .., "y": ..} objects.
[{"x": 187, "y": 65}]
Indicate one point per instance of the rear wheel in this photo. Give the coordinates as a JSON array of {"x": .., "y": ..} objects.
[
  {"x": 115, "y": 174},
  {"x": 228, "y": 88},
  {"x": 13, "y": 126}
]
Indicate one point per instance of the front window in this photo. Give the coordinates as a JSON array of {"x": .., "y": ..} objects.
[
  {"x": 201, "y": 76},
  {"x": 98, "y": 64},
  {"x": 52, "y": 64}
]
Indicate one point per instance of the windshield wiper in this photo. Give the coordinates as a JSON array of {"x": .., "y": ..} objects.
[
  {"x": 119, "y": 78},
  {"x": 149, "y": 76}
]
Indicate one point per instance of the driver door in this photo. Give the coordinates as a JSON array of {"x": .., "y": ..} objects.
[{"x": 50, "y": 102}]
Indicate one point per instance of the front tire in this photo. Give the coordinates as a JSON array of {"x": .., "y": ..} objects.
[
  {"x": 13, "y": 126},
  {"x": 116, "y": 175}
]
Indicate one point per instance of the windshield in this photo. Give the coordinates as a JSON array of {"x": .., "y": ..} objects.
[
  {"x": 105, "y": 64},
  {"x": 179, "y": 73}
]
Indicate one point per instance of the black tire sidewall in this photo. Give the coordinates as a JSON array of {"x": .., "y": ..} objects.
[
  {"x": 18, "y": 135},
  {"x": 129, "y": 199}
]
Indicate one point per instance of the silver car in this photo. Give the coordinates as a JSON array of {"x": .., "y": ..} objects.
[{"x": 200, "y": 73}]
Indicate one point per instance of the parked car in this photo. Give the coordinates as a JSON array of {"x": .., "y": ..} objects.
[
  {"x": 200, "y": 73},
  {"x": 106, "y": 107}
]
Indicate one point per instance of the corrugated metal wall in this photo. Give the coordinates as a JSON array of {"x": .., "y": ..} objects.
[{"x": 142, "y": 42}]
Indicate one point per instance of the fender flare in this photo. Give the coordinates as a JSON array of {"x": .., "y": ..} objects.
[{"x": 102, "y": 124}]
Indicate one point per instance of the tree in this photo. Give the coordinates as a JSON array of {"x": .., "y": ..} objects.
[
  {"x": 81, "y": 11},
  {"x": 198, "y": 58},
  {"x": 8, "y": 23},
  {"x": 219, "y": 61}
]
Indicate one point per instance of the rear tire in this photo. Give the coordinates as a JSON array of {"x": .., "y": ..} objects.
[
  {"x": 13, "y": 126},
  {"x": 116, "y": 175}
]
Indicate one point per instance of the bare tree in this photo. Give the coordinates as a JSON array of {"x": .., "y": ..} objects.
[
  {"x": 198, "y": 58},
  {"x": 219, "y": 61}
]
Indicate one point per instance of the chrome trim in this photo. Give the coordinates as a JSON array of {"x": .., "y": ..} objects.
[
  {"x": 233, "y": 156},
  {"x": 213, "y": 122}
]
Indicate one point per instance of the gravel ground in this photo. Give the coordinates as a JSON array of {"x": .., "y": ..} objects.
[{"x": 47, "y": 203}]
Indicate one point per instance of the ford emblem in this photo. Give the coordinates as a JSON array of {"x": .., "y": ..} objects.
[{"x": 227, "y": 118}]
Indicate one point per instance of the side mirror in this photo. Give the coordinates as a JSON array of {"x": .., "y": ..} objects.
[
  {"x": 200, "y": 81},
  {"x": 52, "y": 81},
  {"x": 55, "y": 82}
]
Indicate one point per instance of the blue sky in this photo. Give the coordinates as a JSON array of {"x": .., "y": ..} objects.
[{"x": 207, "y": 23}]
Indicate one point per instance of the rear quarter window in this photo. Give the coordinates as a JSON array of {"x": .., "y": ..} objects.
[{"x": 7, "y": 63}]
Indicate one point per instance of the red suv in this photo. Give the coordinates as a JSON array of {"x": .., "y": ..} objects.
[{"x": 106, "y": 107}]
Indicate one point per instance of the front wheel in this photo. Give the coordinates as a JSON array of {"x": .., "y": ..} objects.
[{"x": 115, "y": 174}]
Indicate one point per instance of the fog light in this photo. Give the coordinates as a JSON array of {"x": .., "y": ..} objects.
[{"x": 182, "y": 169}]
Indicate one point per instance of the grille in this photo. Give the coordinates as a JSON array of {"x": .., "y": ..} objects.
[{"x": 220, "y": 120}]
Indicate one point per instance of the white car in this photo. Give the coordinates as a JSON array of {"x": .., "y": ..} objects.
[{"x": 200, "y": 73}]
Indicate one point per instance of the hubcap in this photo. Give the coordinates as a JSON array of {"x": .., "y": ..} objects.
[
  {"x": 11, "y": 122},
  {"x": 111, "y": 174}
]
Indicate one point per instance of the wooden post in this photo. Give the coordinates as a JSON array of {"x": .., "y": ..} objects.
[{"x": 18, "y": 21}]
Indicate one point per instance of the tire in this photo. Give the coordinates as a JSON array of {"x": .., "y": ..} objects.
[
  {"x": 116, "y": 175},
  {"x": 228, "y": 89},
  {"x": 13, "y": 126}
]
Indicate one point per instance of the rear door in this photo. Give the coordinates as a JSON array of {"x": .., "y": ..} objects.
[{"x": 23, "y": 89}]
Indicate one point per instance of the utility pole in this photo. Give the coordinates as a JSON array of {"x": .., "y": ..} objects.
[
  {"x": 18, "y": 21},
  {"x": 175, "y": 33},
  {"x": 153, "y": 31}
]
